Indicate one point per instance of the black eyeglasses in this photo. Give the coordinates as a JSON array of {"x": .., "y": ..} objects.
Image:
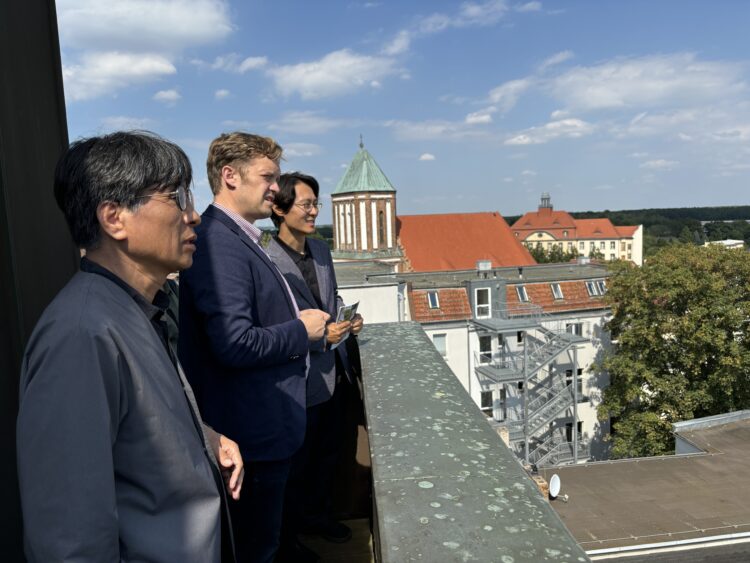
[
  {"x": 182, "y": 195},
  {"x": 307, "y": 206}
]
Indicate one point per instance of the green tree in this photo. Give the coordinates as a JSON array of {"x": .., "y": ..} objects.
[
  {"x": 554, "y": 255},
  {"x": 681, "y": 331}
]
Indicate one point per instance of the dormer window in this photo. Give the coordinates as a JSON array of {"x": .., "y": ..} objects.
[
  {"x": 556, "y": 290},
  {"x": 565, "y": 234},
  {"x": 523, "y": 297},
  {"x": 432, "y": 299}
]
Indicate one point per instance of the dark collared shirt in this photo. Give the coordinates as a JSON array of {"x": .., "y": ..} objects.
[
  {"x": 306, "y": 265},
  {"x": 154, "y": 311}
]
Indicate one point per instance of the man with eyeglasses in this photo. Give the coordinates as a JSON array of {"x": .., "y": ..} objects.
[
  {"x": 308, "y": 267},
  {"x": 243, "y": 340},
  {"x": 114, "y": 461}
]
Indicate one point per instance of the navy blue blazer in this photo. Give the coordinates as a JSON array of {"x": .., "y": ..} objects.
[
  {"x": 241, "y": 345},
  {"x": 321, "y": 379}
]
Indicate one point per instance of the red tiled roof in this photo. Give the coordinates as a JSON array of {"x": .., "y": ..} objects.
[
  {"x": 543, "y": 220},
  {"x": 454, "y": 305},
  {"x": 627, "y": 231},
  {"x": 555, "y": 222},
  {"x": 456, "y": 241},
  {"x": 595, "y": 228},
  {"x": 575, "y": 296}
]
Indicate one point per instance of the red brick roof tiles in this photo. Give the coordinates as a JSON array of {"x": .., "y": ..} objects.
[
  {"x": 456, "y": 241},
  {"x": 453, "y": 305},
  {"x": 575, "y": 296}
]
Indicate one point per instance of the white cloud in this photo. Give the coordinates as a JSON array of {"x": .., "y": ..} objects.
[
  {"x": 470, "y": 14},
  {"x": 556, "y": 59},
  {"x": 293, "y": 150},
  {"x": 168, "y": 97},
  {"x": 559, "y": 114},
  {"x": 165, "y": 26},
  {"x": 659, "y": 164},
  {"x": 222, "y": 94},
  {"x": 308, "y": 123},
  {"x": 103, "y": 73},
  {"x": 399, "y": 44},
  {"x": 506, "y": 95},
  {"x": 528, "y": 173},
  {"x": 481, "y": 116},
  {"x": 647, "y": 82},
  {"x": 433, "y": 130},
  {"x": 125, "y": 123},
  {"x": 427, "y": 156},
  {"x": 529, "y": 7},
  {"x": 232, "y": 62},
  {"x": 564, "y": 128},
  {"x": 337, "y": 73},
  {"x": 108, "y": 46}
]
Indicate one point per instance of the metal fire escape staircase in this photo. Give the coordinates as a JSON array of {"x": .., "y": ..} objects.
[{"x": 548, "y": 395}]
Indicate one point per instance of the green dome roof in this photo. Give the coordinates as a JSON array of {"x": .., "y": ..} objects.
[{"x": 363, "y": 175}]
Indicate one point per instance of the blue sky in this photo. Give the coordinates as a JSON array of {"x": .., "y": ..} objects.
[{"x": 467, "y": 106}]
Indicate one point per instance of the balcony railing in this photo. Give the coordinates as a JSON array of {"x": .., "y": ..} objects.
[{"x": 445, "y": 487}]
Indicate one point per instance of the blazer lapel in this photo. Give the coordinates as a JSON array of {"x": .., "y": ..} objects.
[
  {"x": 219, "y": 215},
  {"x": 290, "y": 271},
  {"x": 325, "y": 282}
]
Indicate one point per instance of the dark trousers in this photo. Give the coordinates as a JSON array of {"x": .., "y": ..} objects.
[
  {"x": 309, "y": 490},
  {"x": 256, "y": 517}
]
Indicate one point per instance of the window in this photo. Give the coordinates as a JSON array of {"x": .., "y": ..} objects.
[
  {"x": 612, "y": 245},
  {"x": 568, "y": 377},
  {"x": 574, "y": 328},
  {"x": 486, "y": 400},
  {"x": 485, "y": 349},
  {"x": 601, "y": 285},
  {"x": 579, "y": 383},
  {"x": 439, "y": 341},
  {"x": 602, "y": 245},
  {"x": 519, "y": 336},
  {"x": 592, "y": 289},
  {"x": 630, "y": 246},
  {"x": 565, "y": 234},
  {"x": 612, "y": 256},
  {"x": 570, "y": 246},
  {"x": 432, "y": 299},
  {"x": 582, "y": 245},
  {"x": 523, "y": 297},
  {"x": 482, "y": 302},
  {"x": 593, "y": 245},
  {"x": 381, "y": 229},
  {"x": 540, "y": 235},
  {"x": 556, "y": 290},
  {"x": 622, "y": 246}
]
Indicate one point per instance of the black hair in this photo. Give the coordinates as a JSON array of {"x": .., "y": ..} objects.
[
  {"x": 118, "y": 167},
  {"x": 286, "y": 195}
]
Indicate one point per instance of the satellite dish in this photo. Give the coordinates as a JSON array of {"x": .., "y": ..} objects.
[{"x": 554, "y": 486}]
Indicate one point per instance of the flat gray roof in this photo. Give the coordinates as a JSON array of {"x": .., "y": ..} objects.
[
  {"x": 528, "y": 274},
  {"x": 662, "y": 499}
]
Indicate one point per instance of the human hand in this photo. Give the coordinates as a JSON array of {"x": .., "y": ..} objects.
[
  {"x": 315, "y": 323},
  {"x": 227, "y": 454},
  {"x": 357, "y": 322},
  {"x": 335, "y": 332}
]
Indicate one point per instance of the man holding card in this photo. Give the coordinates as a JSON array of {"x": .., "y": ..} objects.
[{"x": 308, "y": 267}]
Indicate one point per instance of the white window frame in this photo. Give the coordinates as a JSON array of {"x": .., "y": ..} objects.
[
  {"x": 523, "y": 295},
  {"x": 485, "y": 355},
  {"x": 557, "y": 292},
  {"x": 592, "y": 289},
  {"x": 444, "y": 337},
  {"x": 601, "y": 285},
  {"x": 484, "y": 310},
  {"x": 433, "y": 296}
]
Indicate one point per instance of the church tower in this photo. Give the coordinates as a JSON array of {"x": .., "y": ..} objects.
[{"x": 364, "y": 212}]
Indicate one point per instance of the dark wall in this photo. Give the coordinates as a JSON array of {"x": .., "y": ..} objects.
[{"x": 37, "y": 256}]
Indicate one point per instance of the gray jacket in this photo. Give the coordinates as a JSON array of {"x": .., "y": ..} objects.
[
  {"x": 111, "y": 460},
  {"x": 321, "y": 378}
]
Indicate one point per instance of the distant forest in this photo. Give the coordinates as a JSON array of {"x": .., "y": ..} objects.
[{"x": 684, "y": 224}]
